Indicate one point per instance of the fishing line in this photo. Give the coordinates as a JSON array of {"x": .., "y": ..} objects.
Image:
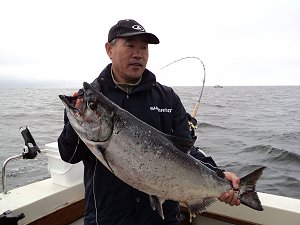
[{"x": 194, "y": 113}]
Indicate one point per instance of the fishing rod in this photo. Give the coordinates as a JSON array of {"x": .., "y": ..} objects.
[{"x": 196, "y": 108}]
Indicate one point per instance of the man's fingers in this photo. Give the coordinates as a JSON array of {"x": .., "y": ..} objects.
[
  {"x": 230, "y": 197},
  {"x": 79, "y": 102},
  {"x": 233, "y": 178}
]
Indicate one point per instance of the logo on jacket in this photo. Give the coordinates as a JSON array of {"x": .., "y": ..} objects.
[{"x": 153, "y": 108}]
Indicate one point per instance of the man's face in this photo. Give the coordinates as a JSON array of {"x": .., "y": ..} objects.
[{"x": 129, "y": 56}]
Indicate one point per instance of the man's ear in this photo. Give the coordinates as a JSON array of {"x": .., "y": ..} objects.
[{"x": 108, "y": 49}]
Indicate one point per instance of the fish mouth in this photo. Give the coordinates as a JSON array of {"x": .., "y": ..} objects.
[{"x": 69, "y": 101}]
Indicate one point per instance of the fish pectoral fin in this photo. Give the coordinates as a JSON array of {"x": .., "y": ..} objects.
[
  {"x": 103, "y": 153},
  {"x": 197, "y": 207},
  {"x": 156, "y": 204}
]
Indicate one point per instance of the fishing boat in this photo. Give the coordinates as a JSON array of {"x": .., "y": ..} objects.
[
  {"x": 218, "y": 86},
  {"x": 59, "y": 200}
]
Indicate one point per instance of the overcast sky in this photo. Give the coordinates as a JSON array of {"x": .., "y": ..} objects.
[{"x": 241, "y": 42}]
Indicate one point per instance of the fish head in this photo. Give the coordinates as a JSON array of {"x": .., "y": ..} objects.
[{"x": 93, "y": 118}]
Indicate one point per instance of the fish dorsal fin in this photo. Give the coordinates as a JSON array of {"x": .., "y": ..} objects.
[
  {"x": 197, "y": 207},
  {"x": 156, "y": 204},
  {"x": 183, "y": 144}
]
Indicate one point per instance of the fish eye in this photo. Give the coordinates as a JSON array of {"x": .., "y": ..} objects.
[{"x": 92, "y": 105}]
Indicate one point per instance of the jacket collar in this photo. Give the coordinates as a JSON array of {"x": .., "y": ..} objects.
[{"x": 147, "y": 82}]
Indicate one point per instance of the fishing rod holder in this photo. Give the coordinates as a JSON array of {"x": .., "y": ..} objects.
[{"x": 30, "y": 151}]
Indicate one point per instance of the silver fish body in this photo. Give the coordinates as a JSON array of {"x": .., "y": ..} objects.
[{"x": 148, "y": 159}]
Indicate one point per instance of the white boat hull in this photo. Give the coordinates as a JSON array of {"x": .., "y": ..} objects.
[{"x": 47, "y": 202}]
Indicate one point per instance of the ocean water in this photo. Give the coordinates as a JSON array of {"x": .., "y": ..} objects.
[{"x": 242, "y": 128}]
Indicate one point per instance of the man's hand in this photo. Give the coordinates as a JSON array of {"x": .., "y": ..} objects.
[
  {"x": 231, "y": 196},
  {"x": 79, "y": 100}
]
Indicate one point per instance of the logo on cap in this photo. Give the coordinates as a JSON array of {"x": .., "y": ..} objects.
[{"x": 138, "y": 27}]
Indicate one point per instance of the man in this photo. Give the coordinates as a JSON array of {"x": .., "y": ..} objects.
[{"x": 128, "y": 83}]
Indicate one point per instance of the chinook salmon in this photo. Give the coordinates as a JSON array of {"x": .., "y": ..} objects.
[{"x": 149, "y": 160}]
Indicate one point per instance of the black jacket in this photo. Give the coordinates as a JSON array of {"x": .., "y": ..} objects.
[{"x": 108, "y": 198}]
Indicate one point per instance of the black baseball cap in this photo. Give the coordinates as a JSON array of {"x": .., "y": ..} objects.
[{"x": 127, "y": 28}]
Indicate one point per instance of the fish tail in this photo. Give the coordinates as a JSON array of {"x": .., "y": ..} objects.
[{"x": 248, "y": 196}]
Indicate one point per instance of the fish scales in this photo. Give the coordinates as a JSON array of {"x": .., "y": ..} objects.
[{"x": 163, "y": 163}]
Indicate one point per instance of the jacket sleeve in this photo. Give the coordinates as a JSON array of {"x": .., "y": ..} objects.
[
  {"x": 71, "y": 148},
  {"x": 207, "y": 161},
  {"x": 199, "y": 154},
  {"x": 182, "y": 129},
  {"x": 180, "y": 124}
]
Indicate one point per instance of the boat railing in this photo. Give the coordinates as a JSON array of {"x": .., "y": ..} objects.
[
  {"x": 30, "y": 151},
  {"x": 4, "y": 180}
]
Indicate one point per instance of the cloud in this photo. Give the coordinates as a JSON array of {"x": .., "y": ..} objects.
[{"x": 237, "y": 40}]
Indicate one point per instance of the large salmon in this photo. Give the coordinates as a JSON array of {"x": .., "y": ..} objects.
[{"x": 149, "y": 160}]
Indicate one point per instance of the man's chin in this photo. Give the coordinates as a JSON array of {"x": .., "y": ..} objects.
[{"x": 136, "y": 73}]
